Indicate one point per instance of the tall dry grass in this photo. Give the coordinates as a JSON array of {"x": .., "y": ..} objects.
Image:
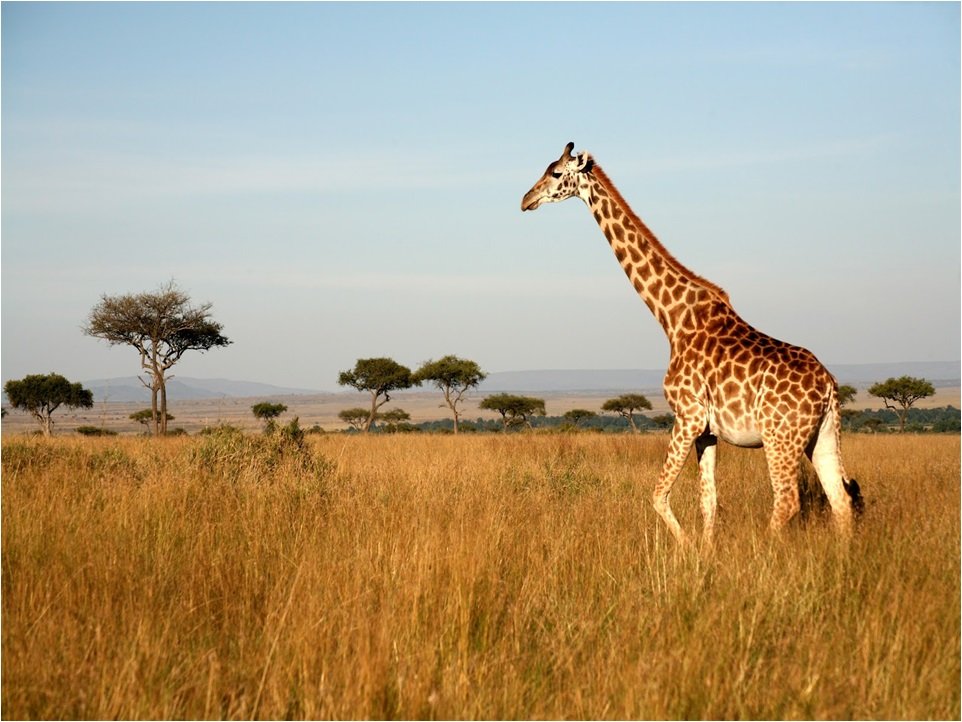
[{"x": 476, "y": 577}]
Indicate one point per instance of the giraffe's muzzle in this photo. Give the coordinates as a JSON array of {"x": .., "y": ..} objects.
[{"x": 530, "y": 201}]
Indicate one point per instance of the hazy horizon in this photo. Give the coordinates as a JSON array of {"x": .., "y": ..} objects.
[
  {"x": 942, "y": 374},
  {"x": 343, "y": 180}
]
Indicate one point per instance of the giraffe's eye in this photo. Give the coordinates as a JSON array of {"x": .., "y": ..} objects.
[{"x": 555, "y": 174}]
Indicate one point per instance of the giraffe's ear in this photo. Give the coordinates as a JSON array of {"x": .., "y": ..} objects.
[{"x": 585, "y": 162}]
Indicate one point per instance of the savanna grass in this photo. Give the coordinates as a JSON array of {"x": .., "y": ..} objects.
[{"x": 520, "y": 576}]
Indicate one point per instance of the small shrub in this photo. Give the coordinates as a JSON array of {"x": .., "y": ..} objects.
[
  {"x": 292, "y": 433},
  {"x": 219, "y": 429},
  {"x": 229, "y": 452},
  {"x": 95, "y": 431}
]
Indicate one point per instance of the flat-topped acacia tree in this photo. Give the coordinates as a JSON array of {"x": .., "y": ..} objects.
[
  {"x": 162, "y": 326},
  {"x": 454, "y": 377},
  {"x": 626, "y": 405},
  {"x": 514, "y": 409},
  {"x": 267, "y": 411},
  {"x": 378, "y": 377},
  {"x": 355, "y": 417},
  {"x": 42, "y": 394},
  {"x": 904, "y": 391},
  {"x": 576, "y": 416},
  {"x": 146, "y": 417}
]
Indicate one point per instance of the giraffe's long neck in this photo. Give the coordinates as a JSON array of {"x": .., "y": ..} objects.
[{"x": 672, "y": 292}]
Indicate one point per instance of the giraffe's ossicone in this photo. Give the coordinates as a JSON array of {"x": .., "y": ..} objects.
[{"x": 725, "y": 378}]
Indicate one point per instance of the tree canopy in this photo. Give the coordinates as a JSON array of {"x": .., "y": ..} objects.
[
  {"x": 576, "y": 416},
  {"x": 355, "y": 417},
  {"x": 267, "y": 412},
  {"x": 162, "y": 326},
  {"x": 514, "y": 409},
  {"x": 904, "y": 391},
  {"x": 846, "y": 394},
  {"x": 378, "y": 377},
  {"x": 626, "y": 405},
  {"x": 146, "y": 417},
  {"x": 395, "y": 420},
  {"x": 453, "y": 376},
  {"x": 42, "y": 394}
]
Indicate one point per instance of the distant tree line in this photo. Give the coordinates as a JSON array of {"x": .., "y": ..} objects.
[
  {"x": 942, "y": 419},
  {"x": 597, "y": 423},
  {"x": 162, "y": 326}
]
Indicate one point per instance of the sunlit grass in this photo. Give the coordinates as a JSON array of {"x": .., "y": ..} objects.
[{"x": 471, "y": 577}]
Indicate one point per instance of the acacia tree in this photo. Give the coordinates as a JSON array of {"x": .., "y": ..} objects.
[
  {"x": 379, "y": 377},
  {"x": 355, "y": 417},
  {"x": 162, "y": 326},
  {"x": 514, "y": 410},
  {"x": 626, "y": 405},
  {"x": 904, "y": 391},
  {"x": 145, "y": 417},
  {"x": 846, "y": 394},
  {"x": 267, "y": 412},
  {"x": 395, "y": 420},
  {"x": 663, "y": 421},
  {"x": 576, "y": 416},
  {"x": 453, "y": 376},
  {"x": 42, "y": 394}
]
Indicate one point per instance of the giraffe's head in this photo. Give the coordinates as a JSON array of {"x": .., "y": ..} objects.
[{"x": 562, "y": 179}]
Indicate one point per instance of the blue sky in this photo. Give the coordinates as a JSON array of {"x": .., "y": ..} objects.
[{"x": 344, "y": 180}]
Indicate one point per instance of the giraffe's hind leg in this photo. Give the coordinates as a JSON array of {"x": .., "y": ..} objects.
[
  {"x": 825, "y": 455},
  {"x": 783, "y": 453},
  {"x": 706, "y": 447}
]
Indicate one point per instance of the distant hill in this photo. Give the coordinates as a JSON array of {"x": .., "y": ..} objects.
[
  {"x": 183, "y": 388},
  {"x": 940, "y": 373},
  {"x": 571, "y": 380}
]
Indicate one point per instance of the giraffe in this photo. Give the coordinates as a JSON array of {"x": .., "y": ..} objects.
[{"x": 725, "y": 378}]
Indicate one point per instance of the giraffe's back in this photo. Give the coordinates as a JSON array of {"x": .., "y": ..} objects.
[{"x": 748, "y": 382}]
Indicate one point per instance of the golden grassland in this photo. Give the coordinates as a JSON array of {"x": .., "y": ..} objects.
[{"x": 519, "y": 576}]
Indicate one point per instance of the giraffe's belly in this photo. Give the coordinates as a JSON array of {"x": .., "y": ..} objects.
[{"x": 738, "y": 431}]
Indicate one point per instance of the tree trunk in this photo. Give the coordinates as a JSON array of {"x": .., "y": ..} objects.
[
  {"x": 631, "y": 423},
  {"x": 46, "y": 423},
  {"x": 454, "y": 410},
  {"x": 163, "y": 406},
  {"x": 370, "y": 418},
  {"x": 453, "y": 405},
  {"x": 154, "y": 384}
]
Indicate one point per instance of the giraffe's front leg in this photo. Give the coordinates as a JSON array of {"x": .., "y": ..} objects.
[
  {"x": 683, "y": 435},
  {"x": 706, "y": 446}
]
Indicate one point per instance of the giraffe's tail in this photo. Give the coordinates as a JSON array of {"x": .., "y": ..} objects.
[{"x": 851, "y": 486}]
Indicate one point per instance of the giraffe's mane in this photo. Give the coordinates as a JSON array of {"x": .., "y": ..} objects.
[{"x": 613, "y": 191}]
